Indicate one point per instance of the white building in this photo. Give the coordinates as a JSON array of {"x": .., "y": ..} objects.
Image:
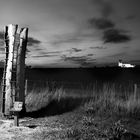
[{"x": 122, "y": 65}]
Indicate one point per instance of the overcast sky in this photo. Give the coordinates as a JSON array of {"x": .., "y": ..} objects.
[{"x": 76, "y": 33}]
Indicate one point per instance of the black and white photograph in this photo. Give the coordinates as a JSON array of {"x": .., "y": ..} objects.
[{"x": 69, "y": 69}]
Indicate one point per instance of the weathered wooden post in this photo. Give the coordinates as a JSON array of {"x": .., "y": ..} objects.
[
  {"x": 13, "y": 91},
  {"x": 10, "y": 33},
  {"x": 20, "y": 75},
  {"x": 20, "y": 95},
  {"x": 4, "y": 71}
]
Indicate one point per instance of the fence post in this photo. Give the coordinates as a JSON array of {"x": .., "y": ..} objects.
[
  {"x": 13, "y": 84},
  {"x": 135, "y": 91},
  {"x": 10, "y": 33},
  {"x": 26, "y": 87},
  {"x": 16, "y": 119},
  {"x": 21, "y": 66}
]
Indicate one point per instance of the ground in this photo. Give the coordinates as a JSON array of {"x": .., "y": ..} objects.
[{"x": 73, "y": 125}]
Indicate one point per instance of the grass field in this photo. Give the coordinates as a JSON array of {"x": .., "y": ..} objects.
[
  {"x": 107, "y": 98},
  {"x": 94, "y": 111}
]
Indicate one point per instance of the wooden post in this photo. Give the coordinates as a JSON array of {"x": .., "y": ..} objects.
[
  {"x": 13, "y": 91},
  {"x": 10, "y": 41},
  {"x": 26, "y": 87},
  {"x": 4, "y": 72},
  {"x": 135, "y": 91},
  {"x": 20, "y": 96}
]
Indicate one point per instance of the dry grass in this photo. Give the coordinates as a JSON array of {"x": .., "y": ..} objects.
[
  {"x": 110, "y": 101},
  {"x": 99, "y": 99},
  {"x": 39, "y": 98},
  {"x": 107, "y": 98}
]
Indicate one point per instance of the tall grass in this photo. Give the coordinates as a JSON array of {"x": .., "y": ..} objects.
[
  {"x": 114, "y": 100},
  {"x": 98, "y": 98},
  {"x": 39, "y": 98}
]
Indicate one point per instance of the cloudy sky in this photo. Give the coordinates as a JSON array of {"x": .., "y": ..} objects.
[{"x": 76, "y": 33}]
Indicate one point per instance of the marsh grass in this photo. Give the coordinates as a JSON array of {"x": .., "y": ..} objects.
[
  {"x": 98, "y": 98},
  {"x": 111, "y": 100},
  {"x": 39, "y": 98},
  {"x": 95, "y": 98}
]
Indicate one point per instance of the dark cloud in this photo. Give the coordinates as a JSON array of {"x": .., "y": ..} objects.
[
  {"x": 89, "y": 64},
  {"x": 115, "y": 36},
  {"x": 56, "y": 52},
  {"x": 45, "y": 55},
  {"x": 38, "y": 49},
  {"x": 76, "y": 50},
  {"x": 105, "y": 7},
  {"x": 90, "y": 54},
  {"x": 110, "y": 33},
  {"x": 77, "y": 59},
  {"x": 98, "y": 47},
  {"x": 50, "y": 53},
  {"x": 101, "y": 23},
  {"x": 66, "y": 39},
  {"x": 32, "y": 41},
  {"x": 81, "y": 60}
]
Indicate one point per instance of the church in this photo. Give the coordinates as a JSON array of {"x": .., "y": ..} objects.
[{"x": 123, "y": 65}]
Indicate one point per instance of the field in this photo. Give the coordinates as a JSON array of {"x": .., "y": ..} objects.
[{"x": 77, "y": 111}]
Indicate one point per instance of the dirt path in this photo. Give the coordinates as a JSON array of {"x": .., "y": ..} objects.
[{"x": 53, "y": 127}]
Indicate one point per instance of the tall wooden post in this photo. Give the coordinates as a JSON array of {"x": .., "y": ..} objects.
[
  {"x": 4, "y": 71},
  {"x": 21, "y": 66},
  {"x": 13, "y": 91},
  {"x": 10, "y": 33}
]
